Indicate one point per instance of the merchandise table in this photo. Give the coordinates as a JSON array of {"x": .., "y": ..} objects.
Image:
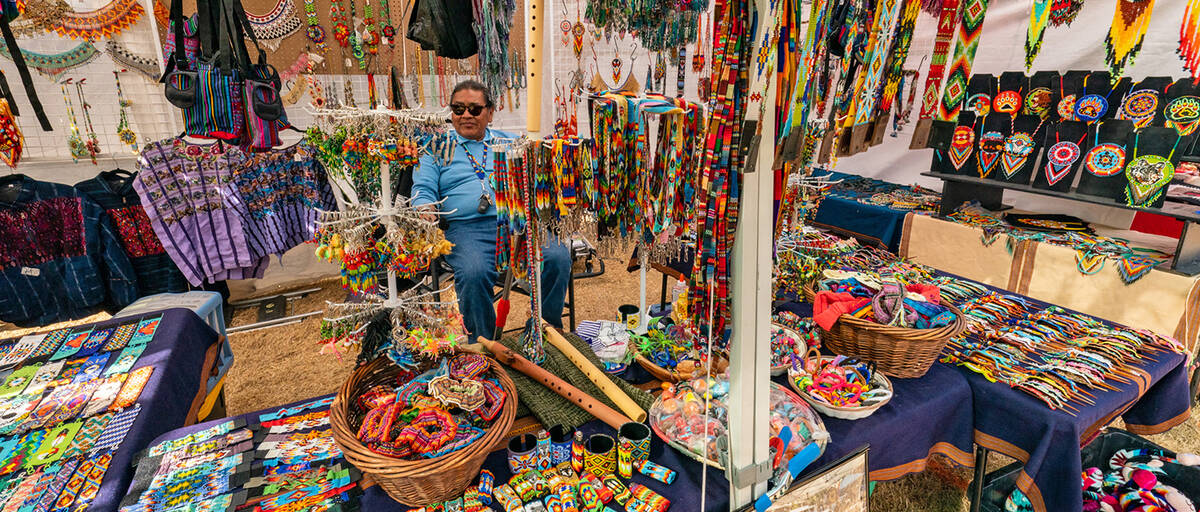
[
  {"x": 1047, "y": 442},
  {"x": 182, "y": 353},
  {"x": 841, "y": 212}
]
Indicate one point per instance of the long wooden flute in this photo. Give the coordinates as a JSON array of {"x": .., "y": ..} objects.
[
  {"x": 614, "y": 393},
  {"x": 563, "y": 388}
]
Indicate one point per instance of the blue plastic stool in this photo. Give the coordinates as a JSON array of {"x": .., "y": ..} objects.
[{"x": 206, "y": 305}]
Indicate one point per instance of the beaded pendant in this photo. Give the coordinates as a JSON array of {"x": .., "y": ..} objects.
[
  {"x": 1148, "y": 175},
  {"x": 1139, "y": 107},
  {"x": 991, "y": 144},
  {"x": 1059, "y": 159},
  {"x": 1091, "y": 107},
  {"x": 1183, "y": 114},
  {"x": 1017, "y": 148},
  {"x": 1105, "y": 160},
  {"x": 961, "y": 145}
]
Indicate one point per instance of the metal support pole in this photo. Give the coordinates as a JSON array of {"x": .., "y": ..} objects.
[
  {"x": 981, "y": 457},
  {"x": 750, "y": 365}
]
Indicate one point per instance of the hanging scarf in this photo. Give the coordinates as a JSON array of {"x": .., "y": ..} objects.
[
  {"x": 1124, "y": 41},
  {"x": 1039, "y": 17},
  {"x": 1063, "y": 12},
  {"x": 969, "y": 29},
  {"x": 1189, "y": 38},
  {"x": 941, "y": 52}
]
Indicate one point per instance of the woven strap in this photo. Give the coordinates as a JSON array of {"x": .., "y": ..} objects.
[{"x": 937, "y": 66}]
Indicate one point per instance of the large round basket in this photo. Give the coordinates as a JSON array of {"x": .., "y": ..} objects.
[
  {"x": 899, "y": 352},
  {"x": 416, "y": 482}
]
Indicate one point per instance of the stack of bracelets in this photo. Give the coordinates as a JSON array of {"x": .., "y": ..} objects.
[
  {"x": 891, "y": 195},
  {"x": 1051, "y": 354},
  {"x": 800, "y": 257},
  {"x": 435, "y": 413}
]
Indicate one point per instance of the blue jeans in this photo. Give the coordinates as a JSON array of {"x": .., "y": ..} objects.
[{"x": 474, "y": 262}]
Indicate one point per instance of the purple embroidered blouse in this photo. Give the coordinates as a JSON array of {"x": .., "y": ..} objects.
[{"x": 188, "y": 192}]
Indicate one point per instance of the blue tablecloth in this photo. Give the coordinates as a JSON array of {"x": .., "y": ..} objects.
[
  {"x": 182, "y": 354},
  {"x": 1020, "y": 426},
  {"x": 840, "y": 211}
]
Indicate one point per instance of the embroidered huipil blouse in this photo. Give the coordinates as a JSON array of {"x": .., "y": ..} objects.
[
  {"x": 281, "y": 191},
  {"x": 187, "y": 191},
  {"x": 61, "y": 256},
  {"x": 155, "y": 271}
]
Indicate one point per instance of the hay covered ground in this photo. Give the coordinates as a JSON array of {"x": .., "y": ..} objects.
[{"x": 283, "y": 364}]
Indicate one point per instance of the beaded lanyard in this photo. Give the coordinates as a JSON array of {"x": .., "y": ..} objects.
[
  {"x": 969, "y": 30},
  {"x": 1148, "y": 175},
  {"x": 868, "y": 81},
  {"x": 941, "y": 51},
  {"x": 895, "y": 74},
  {"x": 1091, "y": 107},
  {"x": 315, "y": 32},
  {"x": 124, "y": 132},
  {"x": 1139, "y": 106},
  {"x": 481, "y": 173},
  {"x": 1017, "y": 148}
]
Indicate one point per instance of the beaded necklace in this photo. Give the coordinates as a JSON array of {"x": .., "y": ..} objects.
[
  {"x": 1061, "y": 157},
  {"x": 124, "y": 132},
  {"x": 1148, "y": 175},
  {"x": 54, "y": 65},
  {"x": 103, "y": 23},
  {"x": 74, "y": 140},
  {"x": 341, "y": 22},
  {"x": 315, "y": 32},
  {"x": 271, "y": 28}
]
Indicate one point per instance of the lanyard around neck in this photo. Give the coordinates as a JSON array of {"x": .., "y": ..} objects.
[{"x": 479, "y": 168}]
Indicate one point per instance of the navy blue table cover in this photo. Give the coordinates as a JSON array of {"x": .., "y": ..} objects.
[
  {"x": 181, "y": 357},
  {"x": 841, "y": 212}
]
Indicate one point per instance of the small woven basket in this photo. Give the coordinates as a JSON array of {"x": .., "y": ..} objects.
[
  {"x": 899, "y": 352},
  {"x": 665, "y": 375},
  {"x": 416, "y": 482}
]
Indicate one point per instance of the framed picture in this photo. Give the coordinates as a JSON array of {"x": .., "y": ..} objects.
[{"x": 840, "y": 486}]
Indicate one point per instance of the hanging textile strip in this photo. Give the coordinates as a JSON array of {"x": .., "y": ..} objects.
[
  {"x": 806, "y": 82},
  {"x": 161, "y": 14},
  {"x": 1039, "y": 17},
  {"x": 899, "y": 54},
  {"x": 271, "y": 28},
  {"x": 971, "y": 26},
  {"x": 104, "y": 22},
  {"x": 886, "y": 13},
  {"x": 1063, "y": 12},
  {"x": 126, "y": 58},
  {"x": 1131, "y": 19},
  {"x": 1189, "y": 38},
  {"x": 54, "y": 65},
  {"x": 723, "y": 159},
  {"x": 941, "y": 52}
]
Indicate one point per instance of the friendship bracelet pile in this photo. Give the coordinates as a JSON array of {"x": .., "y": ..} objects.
[
  {"x": 433, "y": 413},
  {"x": 791, "y": 336},
  {"x": 838, "y": 381},
  {"x": 882, "y": 193},
  {"x": 278, "y": 461},
  {"x": 1091, "y": 250},
  {"x": 801, "y": 254},
  {"x": 1053, "y": 355}
]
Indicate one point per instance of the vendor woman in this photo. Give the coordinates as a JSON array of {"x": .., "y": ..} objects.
[{"x": 469, "y": 206}]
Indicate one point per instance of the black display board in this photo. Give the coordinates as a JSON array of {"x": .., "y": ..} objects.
[{"x": 1105, "y": 158}]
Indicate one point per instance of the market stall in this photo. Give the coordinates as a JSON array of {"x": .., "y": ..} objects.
[{"x": 159, "y": 363}]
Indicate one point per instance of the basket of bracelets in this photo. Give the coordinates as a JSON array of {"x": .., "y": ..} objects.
[
  {"x": 791, "y": 337},
  {"x": 669, "y": 355},
  {"x": 901, "y": 327},
  {"x": 839, "y": 387},
  {"x": 422, "y": 432}
]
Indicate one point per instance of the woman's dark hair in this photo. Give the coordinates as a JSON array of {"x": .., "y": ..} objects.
[{"x": 474, "y": 85}]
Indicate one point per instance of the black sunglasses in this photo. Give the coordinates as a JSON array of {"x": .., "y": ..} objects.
[{"x": 460, "y": 109}]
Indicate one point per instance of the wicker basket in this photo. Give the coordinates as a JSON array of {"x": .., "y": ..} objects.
[
  {"x": 899, "y": 352},
  {"x": 416, "y": 482}
]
